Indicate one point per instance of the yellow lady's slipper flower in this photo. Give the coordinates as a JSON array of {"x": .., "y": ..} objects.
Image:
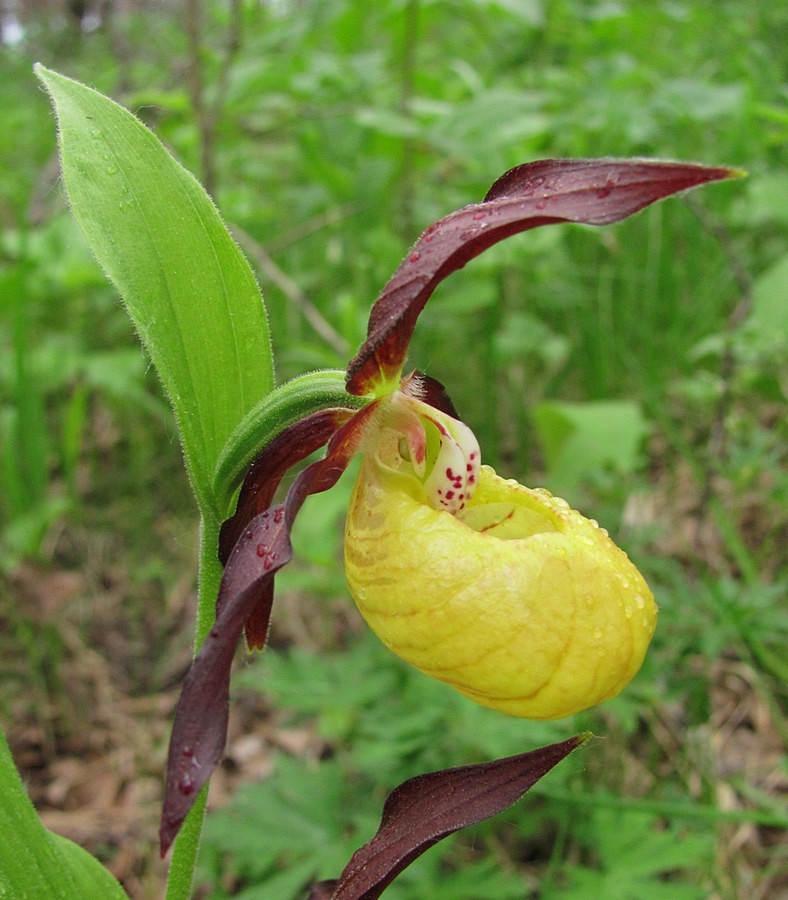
[
  {"x": 501, "y": 591},
  {"x": 507, "y": 594}
]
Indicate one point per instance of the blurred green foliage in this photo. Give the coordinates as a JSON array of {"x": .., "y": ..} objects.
[{"x": 641, "y": 369}]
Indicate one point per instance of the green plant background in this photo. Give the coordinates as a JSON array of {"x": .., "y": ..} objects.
[{"x": 640, "y": 370}]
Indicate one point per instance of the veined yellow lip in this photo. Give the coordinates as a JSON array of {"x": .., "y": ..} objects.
[{"x": 518, "y": 601}]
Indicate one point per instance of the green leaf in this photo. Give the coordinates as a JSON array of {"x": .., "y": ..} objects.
[
  {"x": 769, "y": 293},
  {"x": 186, "y": 285},
  {"x": 580, "y": 438},
  {"x": 35, "y": 862},
  {"x": 638, "y": 856}
]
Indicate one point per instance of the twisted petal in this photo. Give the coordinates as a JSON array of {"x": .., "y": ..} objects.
[
  {"x": 592, "y": 191},
  {"x": 518, "y": 601}
]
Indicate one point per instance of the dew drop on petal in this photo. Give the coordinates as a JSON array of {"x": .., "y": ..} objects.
[{"x": 186, "y": 784}]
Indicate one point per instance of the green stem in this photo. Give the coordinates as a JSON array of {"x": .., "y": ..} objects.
[
  {"x": 184, "y": 851},
  {"x": 187, "y": 844}
]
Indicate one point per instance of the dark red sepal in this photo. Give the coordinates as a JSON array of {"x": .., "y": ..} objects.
[
  {"x": 199, "y": 733},
  {"x": 425, "y": 809},
  {"x": 266, "y": 472},
  {"x": 323, "y": 890},
  {"x": 257, "y": 493},
  {"x": 589, "y": 191},
  {"x": 200, "y": 729},
  {"x": 430, "y": 390}
]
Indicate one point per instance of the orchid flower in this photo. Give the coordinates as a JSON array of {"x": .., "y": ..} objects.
[{"x": 502, "y": 591}]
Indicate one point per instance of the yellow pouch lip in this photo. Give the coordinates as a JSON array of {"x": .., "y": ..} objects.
[{"x": 536, "y": 616}]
